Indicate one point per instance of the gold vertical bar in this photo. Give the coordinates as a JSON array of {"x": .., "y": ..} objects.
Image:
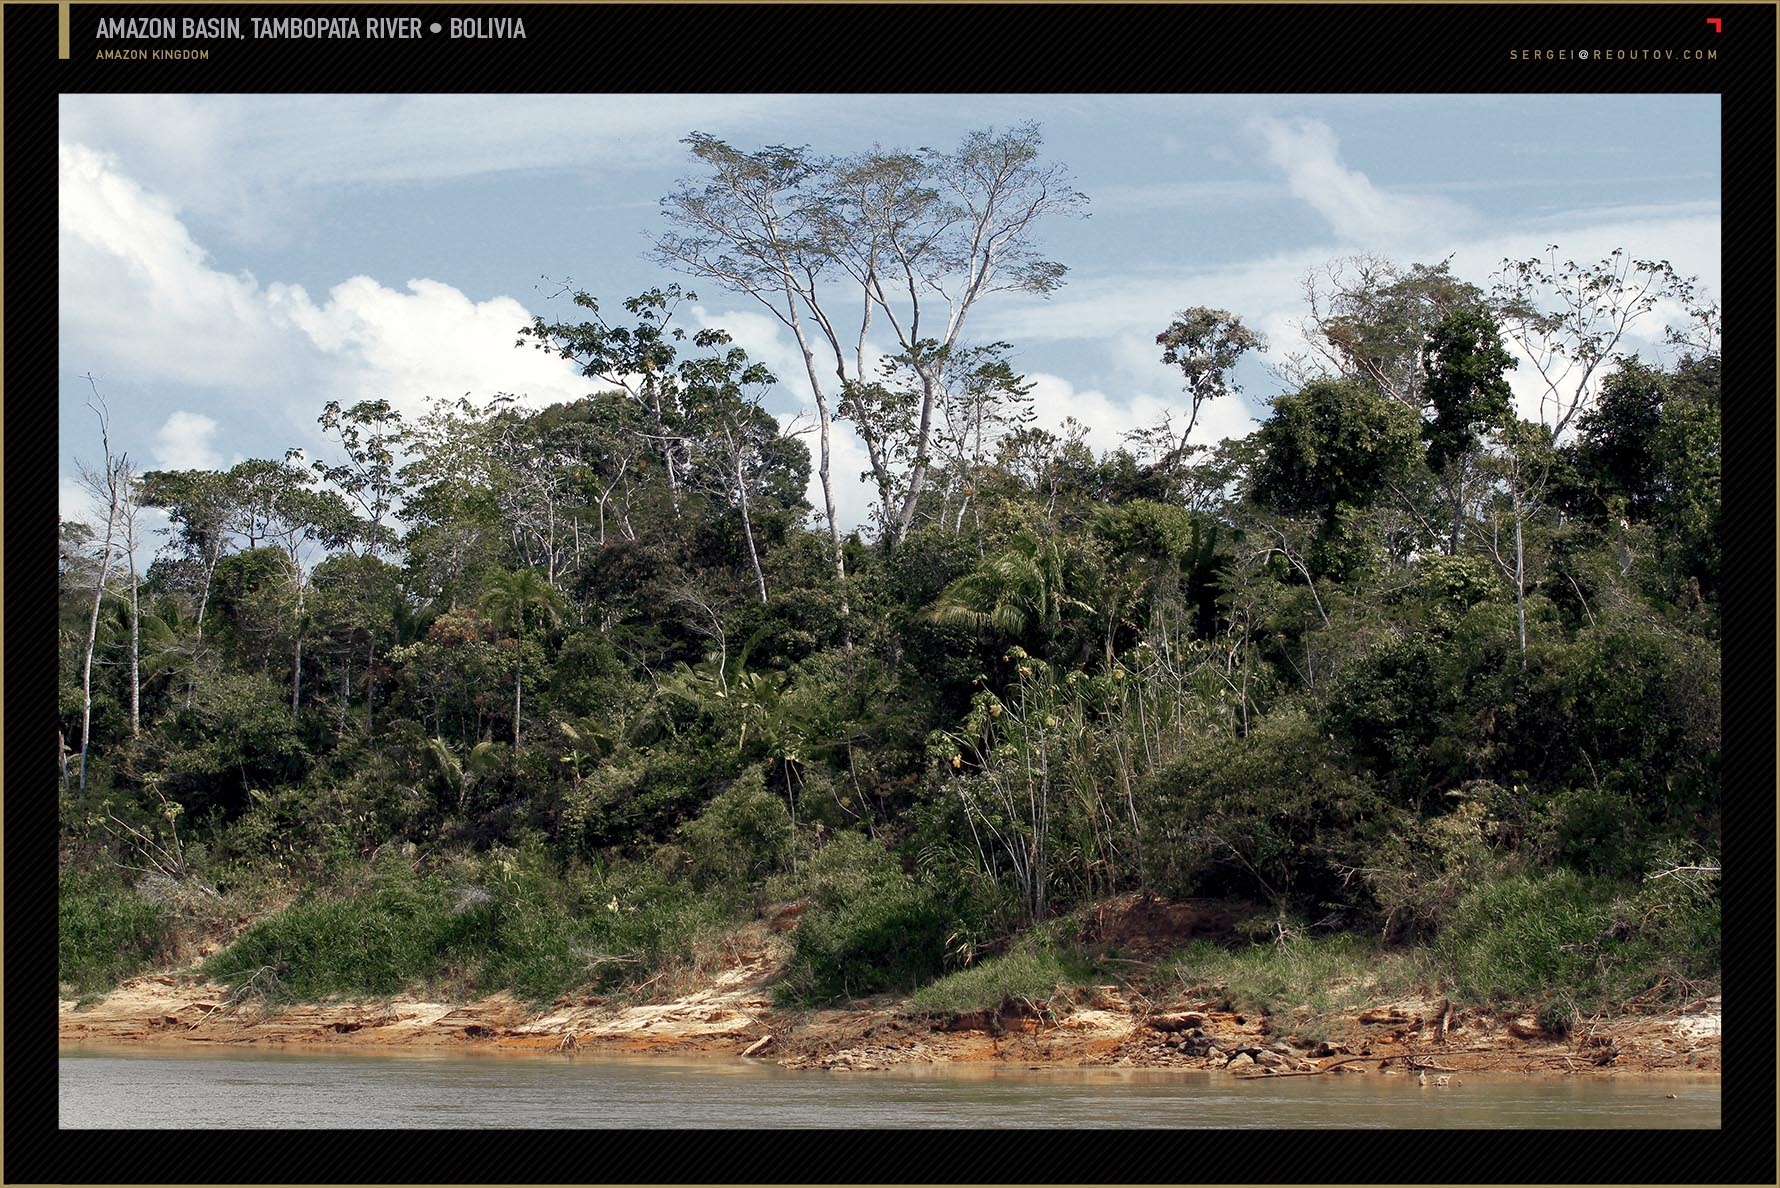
[{"x": 62, "y": 36}]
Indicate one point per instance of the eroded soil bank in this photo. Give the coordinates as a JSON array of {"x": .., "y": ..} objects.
[{"x": 732, "y": 1015}]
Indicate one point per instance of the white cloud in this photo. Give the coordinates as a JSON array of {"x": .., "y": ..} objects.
[
  {"x": 185, "y": 442},
  {"x": 1359, "y": 213},
  {"x": 430, "y": 341},
  {"x": 75, "y": 502},
  {"x": 250, "y": 161},
  {"x": 139, "y": 292}
]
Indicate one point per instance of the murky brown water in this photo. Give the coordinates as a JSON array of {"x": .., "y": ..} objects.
[{"x": 215, "y": 1089}]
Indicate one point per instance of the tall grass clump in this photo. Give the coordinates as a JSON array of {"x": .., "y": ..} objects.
[
  {"x": 1323, "y": 974},
  {"x": 105, "y": 931},
  {"x": 1594, "y": 944},
  {"x": 1038, "y": 967},
  {"x": 372, "y": 943},
  {"x": 507, "y": 920}
]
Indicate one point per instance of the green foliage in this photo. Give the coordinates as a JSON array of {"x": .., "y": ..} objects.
[
  {"x": 1331, "y": 444},
  {"x": 1419, "y": 875},
  {"x": 742, "y": 837},
  {"x": 1039, "y": 966},
  {"x": 1583, "y": 943},
  {"x": 1277, "y": 816},
  {"x": 370, "y": 944},
  {"x": 1465, "y": 362},
  {"x": 1287, "y": 973},
  {"x": 585, "y": 724},
  {"x": 236, "y": 735},
  {"x": 868, "y": 927},
  {"x": 506, "y": 920},
  {"x": 105, "y": 931}
]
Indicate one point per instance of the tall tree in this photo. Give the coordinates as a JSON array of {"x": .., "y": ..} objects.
[
  {"x": 734, "y": 434},
  {"x": 639, "y": 358},
  {"x": 1465, "y": 364},
  {"x": 107, "y": 487},
  {"x": 1332, "y": 447},
  {"x": 750, "y": 226},
  {"x": 507, "y": 602},
  {"x": 927, "y": 235},
  {"x": 1369, "y": 318},
  {"x": 371, "y": 432},
  {"x": 1571, "y": 319},
  {"x": 1205, "y": 344}
]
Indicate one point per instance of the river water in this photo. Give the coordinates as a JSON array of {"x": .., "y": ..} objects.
[{"x": 232, "y": 1089}]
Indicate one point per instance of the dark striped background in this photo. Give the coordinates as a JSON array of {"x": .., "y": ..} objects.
[{"x": 953, "y": 48}]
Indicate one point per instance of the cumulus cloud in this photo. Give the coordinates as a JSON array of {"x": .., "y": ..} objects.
[
  {"x": 141, "y": 293},
  {"x": 185, "y": 442},
  {"x": 137, "y": 288},
  {"x": 1360, "y": 213},
  {"x": 429, "y": 341}
]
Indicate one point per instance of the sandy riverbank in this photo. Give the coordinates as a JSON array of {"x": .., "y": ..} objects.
[{"x": 733, "y": 1016}]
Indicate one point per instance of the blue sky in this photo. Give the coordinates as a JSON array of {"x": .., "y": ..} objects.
[{"x": 230, "y": 263}]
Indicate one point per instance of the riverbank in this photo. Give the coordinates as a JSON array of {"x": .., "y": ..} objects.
[{"x": 732, "y": 1014}]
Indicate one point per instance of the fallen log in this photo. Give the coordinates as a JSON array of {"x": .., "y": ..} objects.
[{"x": 1407, "y": 1057}]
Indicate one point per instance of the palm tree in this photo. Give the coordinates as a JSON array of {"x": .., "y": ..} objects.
[
  {"x": 506, "y": 601},
  {"x": 1017, "y": 591}
]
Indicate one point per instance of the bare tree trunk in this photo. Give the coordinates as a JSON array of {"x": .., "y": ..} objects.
[
  {"x": 824, "y": 427},
  {"x": 1520, "y": 572},
  {"x": 741, "y": 488},
  {"x": 105, "y": 485},
  {"x": 918, "y": 471},
  {"x": 129, "y": 513},
  {"x": 191, "y": 682},
  {"x": 86, "y": 679}
]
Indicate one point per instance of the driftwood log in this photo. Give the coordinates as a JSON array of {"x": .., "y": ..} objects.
[{"x": 1410, "y": 1058}]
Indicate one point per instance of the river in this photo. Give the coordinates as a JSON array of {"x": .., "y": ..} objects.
[{"x": 215, "y": 1089}]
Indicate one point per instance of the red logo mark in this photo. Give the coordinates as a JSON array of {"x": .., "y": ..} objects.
[{"x": 1717, "y": 24}]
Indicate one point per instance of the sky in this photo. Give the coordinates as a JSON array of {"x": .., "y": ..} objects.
[{"x": 228, "y": 264}]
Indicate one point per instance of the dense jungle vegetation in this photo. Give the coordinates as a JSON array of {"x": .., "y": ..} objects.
[{"x": 505, "y": 696}]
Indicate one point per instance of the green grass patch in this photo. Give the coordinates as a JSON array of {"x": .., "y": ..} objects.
[
  {"x": 106, "y": 932},
  {"x": 1038, "y": 967},
  {"x": 1589, "y": 945},
  {"x": 1320, "y": 974},
  {"x": 500, "y": 922}
]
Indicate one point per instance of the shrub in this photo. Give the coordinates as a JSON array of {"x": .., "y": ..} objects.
[
  {"x": 743, "y": 836},
  {"x": 1276, "y": 816},
  {"x": 868, "y": 927}
]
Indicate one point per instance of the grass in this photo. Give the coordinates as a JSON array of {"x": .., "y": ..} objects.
[
  {"x": 106, "y": 932},
  {"x": 1037, "y": 968},
  {"x": 1323, "y": 974},
  {"x": 501, "y": 923},
  {"x": 1559, "y": 945},
  {"x": 1570, "y": 945}
]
